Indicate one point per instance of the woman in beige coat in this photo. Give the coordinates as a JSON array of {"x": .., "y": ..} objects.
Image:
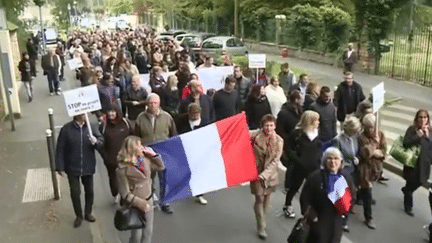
[
  {"x": 268, "y": 150},
  {"x": 134, "y": 175},
  {"x": 372, "y": 151}
]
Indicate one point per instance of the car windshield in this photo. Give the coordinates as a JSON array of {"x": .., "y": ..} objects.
[{"x": 213, "y": 44}]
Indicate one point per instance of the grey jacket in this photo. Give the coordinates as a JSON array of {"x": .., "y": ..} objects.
[{"x": 164, "y": 127}]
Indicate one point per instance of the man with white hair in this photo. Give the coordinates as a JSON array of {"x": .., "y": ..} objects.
[
  {"x": 153, "y": 125},
  {"x": 51, "y": 65}
]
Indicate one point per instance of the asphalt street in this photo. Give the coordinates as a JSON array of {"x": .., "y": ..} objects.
[{"x": 228, "y": 217}]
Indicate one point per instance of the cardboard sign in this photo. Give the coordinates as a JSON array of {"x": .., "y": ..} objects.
[
  {"x": 378, "y": 97},
  {"x": 257, "y": 60},
  {"x": 75, "y": 63},
  {"x": 82, "y": 100}
]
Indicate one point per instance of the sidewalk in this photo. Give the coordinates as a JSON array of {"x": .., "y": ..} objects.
[{"x": 26, "y": 149}]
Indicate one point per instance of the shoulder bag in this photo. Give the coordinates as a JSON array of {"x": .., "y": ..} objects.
[
  {"x": 300, "y": 231},
  {"x": 407, "y": 156},
  {"x": 129, "y": 218}
]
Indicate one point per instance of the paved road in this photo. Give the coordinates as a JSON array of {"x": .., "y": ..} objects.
[{"x": 229, "y": 215}]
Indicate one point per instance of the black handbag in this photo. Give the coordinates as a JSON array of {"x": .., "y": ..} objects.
[
  {"x": 300, "y": 231},
  {"x": 129, "y": 218}
]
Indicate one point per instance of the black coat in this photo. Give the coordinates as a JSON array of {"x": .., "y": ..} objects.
[
  {"x": 255, "y": 110},
  {"x": 141, "y": 63},
  {"x": 170, "y": 101},
  {"x": 328, "y": 229},
  {"x": 342, "y": 98},
  {"x": 75, "y": 155},
  {"x": 24, "y": 67},
  {"x": 207, "y": 111},
  {"x": 286, "y": 121},
  {"x": 327, "y": 112},
  {"x": 183, "y": 125},
  {"x": 304, "y": 153},
  {"x": 420, "y": 173}
]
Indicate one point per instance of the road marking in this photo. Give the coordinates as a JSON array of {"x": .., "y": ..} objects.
[
  {"x": 393, "y": 124},
  {"x": 397, "y": 115},
  {"x": 38, "y": 186},
  {"x": 391, "y": 136},
  {"x": 404, "y": 108}
]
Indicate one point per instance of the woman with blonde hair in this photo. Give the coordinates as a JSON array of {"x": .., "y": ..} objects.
[
  {"x": 268, "y": 148},
  {"x": 170, "y": 97},
  {"x": 136, "y": 163},
  {"x": 304, "y": 151}
]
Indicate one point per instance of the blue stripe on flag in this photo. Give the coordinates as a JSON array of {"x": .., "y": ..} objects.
[{"x": 177, "y": 172}]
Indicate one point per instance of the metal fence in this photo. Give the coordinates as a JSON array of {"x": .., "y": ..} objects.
[{"x": 409, "y": 58}]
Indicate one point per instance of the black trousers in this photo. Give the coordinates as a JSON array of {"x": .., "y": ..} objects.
[
  {"x": 75, "y": 189},
  {"x": 299, "y": 175},
  {"x": 366, "y": 194},
  {"x": 113, "y": 181},
  {"x": 33, "y": 66}
]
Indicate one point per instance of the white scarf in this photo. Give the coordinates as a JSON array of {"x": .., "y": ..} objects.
[{"x": 312, "y": 134}]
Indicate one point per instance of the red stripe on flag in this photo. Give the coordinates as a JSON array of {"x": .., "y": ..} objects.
[
  {"x": 343, "y": 204},
  {"x": 237, "y": 151}
]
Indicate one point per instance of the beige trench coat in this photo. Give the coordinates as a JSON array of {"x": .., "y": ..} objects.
[
  {"x": 268, "y": 152},
  {"x": 371, "y": 166}
]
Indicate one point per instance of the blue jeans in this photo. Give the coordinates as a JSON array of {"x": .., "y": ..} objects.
[{"x": 53, "y": 80}]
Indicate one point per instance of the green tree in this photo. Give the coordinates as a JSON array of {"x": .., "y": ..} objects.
[
  {"x": 306, "y": 25},
  {"x": 337, "y": 26}
]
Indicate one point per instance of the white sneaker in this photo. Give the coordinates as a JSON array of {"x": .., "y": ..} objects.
[
  {"x": 117, "y": 199},
  {"x": 289, "y": 211},
  {"x": 201, "y": 200},
  {"x": 52, "y": 93}
]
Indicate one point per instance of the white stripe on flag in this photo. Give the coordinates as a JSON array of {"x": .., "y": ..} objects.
[
  {"x": 203, "y": 152},
  {"x": 338, "y": 189}
]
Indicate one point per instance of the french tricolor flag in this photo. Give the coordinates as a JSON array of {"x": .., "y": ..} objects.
[
  {"x": 340, "y": 195},
  {"x": 213, "y": 157}
]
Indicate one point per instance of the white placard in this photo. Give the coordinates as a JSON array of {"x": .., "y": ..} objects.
[
  {"x": 75, "y": 63},
  {"x": 378, "y": 97},
  {"x": 214, "y": 78},
  {"x": 82, "y": 100},
  {"x": 257, "y": 60}
]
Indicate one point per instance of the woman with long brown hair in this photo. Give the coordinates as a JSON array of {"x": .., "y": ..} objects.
[
  {"x": 136, "y": 163},
  {"x": 418, "y": 134}
]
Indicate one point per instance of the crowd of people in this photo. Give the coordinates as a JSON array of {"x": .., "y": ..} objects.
[{"x": 292, "y": 121}]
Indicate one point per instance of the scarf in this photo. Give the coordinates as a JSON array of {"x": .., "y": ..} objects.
[
  {"x": 140, "y": 164},
  {"x": 338, "y": 192}
]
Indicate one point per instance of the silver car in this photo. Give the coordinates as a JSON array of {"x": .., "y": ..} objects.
[{"x": 232, "y": 45}]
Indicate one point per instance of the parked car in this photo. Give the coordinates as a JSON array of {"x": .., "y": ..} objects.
[
  {"x": 173, "y": 33},
  {"x": 232, "y": 45}
]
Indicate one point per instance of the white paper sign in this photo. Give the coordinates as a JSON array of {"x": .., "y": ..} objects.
[
  {"x": 82, "y": 100},
  {"x": 214, "y": 78},
  {"x": 378, "y": 97},
  {"x": 257, "y": 60},
  {"x": 75, "y": 63}
]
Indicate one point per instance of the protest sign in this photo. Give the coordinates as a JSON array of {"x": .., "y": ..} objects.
[
  {"x": 378, "y": 97},
  {"x": 82, "y": 100},
  {"x": 257, "y": 60},
  {"x": 75, "y": 63},
  {"x": 214, "y": 78}
]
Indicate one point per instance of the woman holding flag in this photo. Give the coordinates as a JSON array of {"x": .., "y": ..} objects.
[
  {"x": 268, "y": 148},
  {"x": 326, "y": 196}
]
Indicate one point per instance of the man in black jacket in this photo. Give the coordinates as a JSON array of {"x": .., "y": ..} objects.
[
  {"x": 75, "y": 156},
  {"x": 287, "y": 119},
  {"x": 327, "y": 111},
  {"x": 226, "y": 101},
  {"x": 348, "y": 96}
]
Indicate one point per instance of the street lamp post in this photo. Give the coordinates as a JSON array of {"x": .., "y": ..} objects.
[{"x": 39, "y": 3}]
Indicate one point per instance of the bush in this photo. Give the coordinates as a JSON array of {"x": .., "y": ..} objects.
[
  {"x": 306, "y": 25},
  {"x": 337, "y": 27}
]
